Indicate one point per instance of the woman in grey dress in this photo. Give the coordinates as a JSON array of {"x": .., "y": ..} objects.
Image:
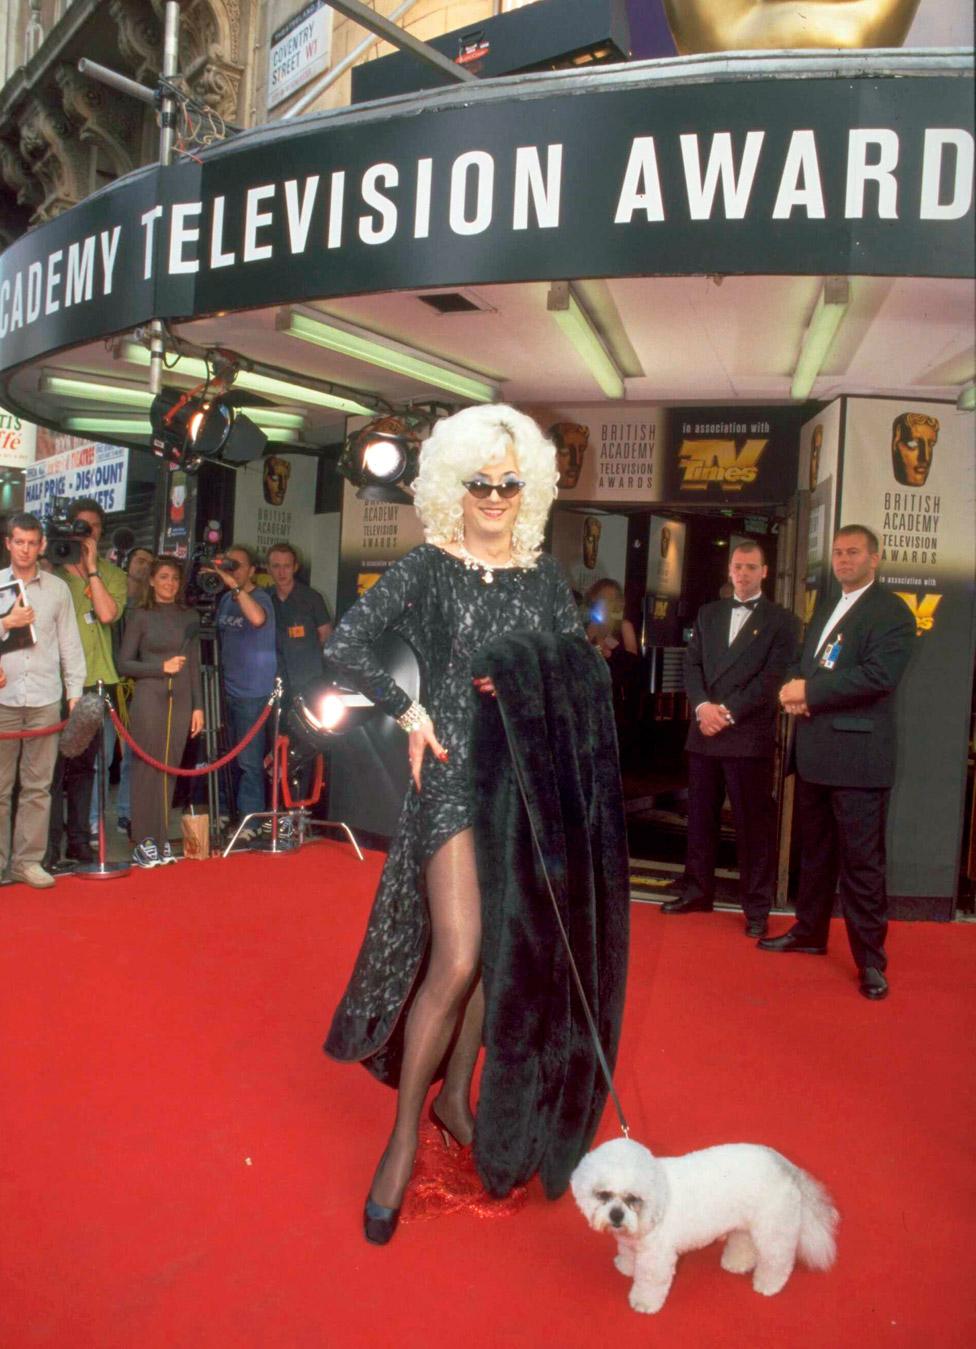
[
  {"x": 161, "y": 652},
  {"x": 486, "y": 483}
]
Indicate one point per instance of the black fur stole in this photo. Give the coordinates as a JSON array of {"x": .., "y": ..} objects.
[{"x": 542, "y": 1092}]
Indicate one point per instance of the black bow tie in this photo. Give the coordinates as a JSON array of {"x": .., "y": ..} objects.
[{"x": 746, "y": 604}]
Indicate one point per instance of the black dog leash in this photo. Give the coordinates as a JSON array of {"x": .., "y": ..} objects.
[{"x": 590, "y": 1021}]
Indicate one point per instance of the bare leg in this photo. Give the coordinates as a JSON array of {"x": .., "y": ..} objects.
[{"x": 455, "y": 947}]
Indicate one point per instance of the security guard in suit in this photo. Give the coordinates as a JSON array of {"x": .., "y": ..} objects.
[
  {"x": 738, "y": 655},
  {"x": 842, "y": 698}
]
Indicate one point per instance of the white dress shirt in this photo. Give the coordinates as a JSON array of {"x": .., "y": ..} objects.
[
  {"x": 739, "y": 616},
  {"x": 37, "y": 674},
  {"x": 840, "y": 609}
]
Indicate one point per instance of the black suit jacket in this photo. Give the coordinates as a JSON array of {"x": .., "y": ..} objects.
[
  {"x": 848, "y": 740},
  {"x": 746, "y": 676}
]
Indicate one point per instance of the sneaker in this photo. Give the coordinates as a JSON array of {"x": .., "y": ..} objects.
[
  {"x": 146, "y": 854},
  {"x": 285, "y": 828},
  {"x": 124, "y": 825},
  {"x": 167, "y": 854},
  {"x": 32, "y": 873},
  {"x": 247, "y": 835}
]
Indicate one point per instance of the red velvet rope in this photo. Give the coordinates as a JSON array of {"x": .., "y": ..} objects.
[
  {"x": 30, "y": 735},
  {"x": 281, "y": 755},
  {"x": 189, "y": 772}
]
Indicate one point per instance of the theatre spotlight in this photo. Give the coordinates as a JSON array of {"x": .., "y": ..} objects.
[
  {"x": 381, "y": 459},
  {"x": 188, "y": 428},
  {"x": 323, "y": 710}
]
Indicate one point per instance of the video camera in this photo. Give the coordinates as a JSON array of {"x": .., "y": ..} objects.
[
  {"x": 203, "y": 586},
  {"x": 63, "y": 535}
]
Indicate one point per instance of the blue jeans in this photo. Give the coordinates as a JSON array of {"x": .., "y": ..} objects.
[
  {"x": 123, "y": 801},
  {"x": 247, "y": 770}
]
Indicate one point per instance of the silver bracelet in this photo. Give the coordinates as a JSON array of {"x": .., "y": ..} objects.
[{"x": 414, "y": 717}]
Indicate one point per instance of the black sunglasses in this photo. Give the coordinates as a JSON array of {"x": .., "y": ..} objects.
[{"x": 481, "y": 490}]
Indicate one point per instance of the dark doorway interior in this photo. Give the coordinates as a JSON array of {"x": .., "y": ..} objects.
[{"x": 652, "y": 746}]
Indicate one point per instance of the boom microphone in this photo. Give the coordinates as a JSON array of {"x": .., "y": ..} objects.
[
  {"x": 123, "y": 540},
  {"x": 82, "y": 725}
]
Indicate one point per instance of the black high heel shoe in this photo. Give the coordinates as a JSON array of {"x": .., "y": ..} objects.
[
  {"x": 446, "y": 1134},
  {"x": 379, "y": 1223}
]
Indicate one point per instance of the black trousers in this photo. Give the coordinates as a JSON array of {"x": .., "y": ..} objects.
[
  {"x": 72, "y": 785},
  {"x": 749, "y": 783},
  {"x": 842, "y": 850}
]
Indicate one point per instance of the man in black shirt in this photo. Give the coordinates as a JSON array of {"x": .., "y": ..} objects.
[{"x": 302, "y": 621}]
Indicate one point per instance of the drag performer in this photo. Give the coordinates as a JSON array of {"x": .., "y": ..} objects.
[{"x": 486, "y": 482}]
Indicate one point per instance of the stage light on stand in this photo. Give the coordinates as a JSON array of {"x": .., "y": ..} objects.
[
  {"x": 323, "y": 710},
  {"x": 381, "y": 459},
  {"x": 385, "y": 458}
]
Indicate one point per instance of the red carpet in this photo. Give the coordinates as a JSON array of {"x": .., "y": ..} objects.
[{"x": 181, "y": 1166}]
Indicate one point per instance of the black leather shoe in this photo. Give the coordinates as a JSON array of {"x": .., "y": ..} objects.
[
  {"x": 62, "y": 867},
  {"x": 79, "y": 852},
  {"x": 873, "y": 984},
  {"x": 379, "y": 1223},
  {"x": 789, "y": 942},
  {"x": 756, "y": 927},
  {"x": 687, "y": 906}
]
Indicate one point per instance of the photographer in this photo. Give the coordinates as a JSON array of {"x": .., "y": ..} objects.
[
  {"x": 246, "y": 631},
  {"x": 98, "y": 592}
]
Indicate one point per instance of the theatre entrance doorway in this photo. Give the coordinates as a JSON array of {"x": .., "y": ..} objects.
[{"x": 670, "y": 562}]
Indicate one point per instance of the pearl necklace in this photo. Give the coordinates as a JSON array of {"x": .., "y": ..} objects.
[{"x": 487, "y": 569}]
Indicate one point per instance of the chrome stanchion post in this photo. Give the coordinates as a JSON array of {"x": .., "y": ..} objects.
[
  {"x": 102, "y": 869},
  {"x": 274, "y": 766}
]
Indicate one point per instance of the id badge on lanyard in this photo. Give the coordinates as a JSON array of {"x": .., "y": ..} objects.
[{"x": 830, "y": 653}]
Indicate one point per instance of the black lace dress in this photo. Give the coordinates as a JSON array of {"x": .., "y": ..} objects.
[{"x": 448, "y": 611}]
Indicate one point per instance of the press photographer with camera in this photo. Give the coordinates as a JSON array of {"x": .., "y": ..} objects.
[
  {"x": 98, "y": 592},
  {"x": 43, "y": 661},
  {"x": 246, "y": 631}
]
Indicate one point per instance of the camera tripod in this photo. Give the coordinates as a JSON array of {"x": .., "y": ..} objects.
[{"x": 214, "y": 735}]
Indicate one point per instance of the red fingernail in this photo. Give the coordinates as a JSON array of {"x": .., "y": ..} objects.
[{"x": 443, "y": 756}]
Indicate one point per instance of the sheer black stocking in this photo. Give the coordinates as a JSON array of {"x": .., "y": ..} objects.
[{"x": 435, "y": 1019}]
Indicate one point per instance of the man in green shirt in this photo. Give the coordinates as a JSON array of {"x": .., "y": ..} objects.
[{"x": 98, "y": 592}]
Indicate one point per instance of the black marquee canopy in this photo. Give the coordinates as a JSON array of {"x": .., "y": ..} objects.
[{"x": 803, "y": 164}]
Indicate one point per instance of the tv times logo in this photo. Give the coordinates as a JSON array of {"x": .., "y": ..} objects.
[
  {"x": 720, "y": 461},
  {"x": 923, "y": 609}
]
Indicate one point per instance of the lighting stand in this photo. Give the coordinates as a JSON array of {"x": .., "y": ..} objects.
[
  {"x": 298, "y": 815},
  {"x": 213, "y": 722},
  {"x": 305, "y": 822},
  {"x": 101, "y": 870}
]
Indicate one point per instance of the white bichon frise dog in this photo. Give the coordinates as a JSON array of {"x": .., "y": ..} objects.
[{"x": 768, "y": 1211}]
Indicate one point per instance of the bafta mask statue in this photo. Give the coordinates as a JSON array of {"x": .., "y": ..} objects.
[
  {"x": 570, "y": 440},
  {"x": 747, "y": 25},
  {"x": 913, "y": 437},
  {"x": 592, "y": 529},
  {"x": 277, "y": 471},
  {"x": 816, "y": 447}
]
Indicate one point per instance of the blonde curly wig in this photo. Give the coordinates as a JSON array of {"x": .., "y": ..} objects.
[{"x": 459, "y": 446}]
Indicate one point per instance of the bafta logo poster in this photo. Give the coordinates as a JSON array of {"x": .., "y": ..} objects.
[
  {"x": 606, "y": 454},
  {"x": 909, "y": 473},
  {"x": 817, "y": 474},
  {"x": 375, "y": 534}
]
